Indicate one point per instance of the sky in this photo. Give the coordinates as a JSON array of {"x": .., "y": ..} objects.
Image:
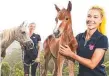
[{"x": 43, "y": 13}]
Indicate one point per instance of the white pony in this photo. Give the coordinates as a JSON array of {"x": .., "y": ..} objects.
[{"x": 17, "y": 33}]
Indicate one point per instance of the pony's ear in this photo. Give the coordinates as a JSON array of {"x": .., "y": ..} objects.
[
  {"x": 56, "y": 7},
  {"x": 22, "y": 24},
  {"x": 26, "y": 25},
  {"x": 69, "y": 7}
]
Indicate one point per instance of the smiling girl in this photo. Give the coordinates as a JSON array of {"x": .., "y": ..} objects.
[{"x": 92, "y": 45}]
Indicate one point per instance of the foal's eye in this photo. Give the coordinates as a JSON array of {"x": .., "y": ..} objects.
[
  {"x": 23, "y": 32},
  {"x": 66, "y": 18}
]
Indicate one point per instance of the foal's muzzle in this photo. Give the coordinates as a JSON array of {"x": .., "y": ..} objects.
[{"x": 56, "y": 34}]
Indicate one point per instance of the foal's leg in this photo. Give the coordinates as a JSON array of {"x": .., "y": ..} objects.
[
  {"x": 60, "y": 62},
  {"x": 46, "y": 61},
  {"x": 71, "y": 67},
  {"x": 55, "y": 67}
]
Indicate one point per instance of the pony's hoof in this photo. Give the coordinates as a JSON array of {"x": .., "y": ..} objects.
[{"x": 1, "y": 59}]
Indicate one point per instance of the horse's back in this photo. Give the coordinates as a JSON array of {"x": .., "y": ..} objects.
[
  {"x": 51, "y": 45},
  {"x": 46, "y": 42}
]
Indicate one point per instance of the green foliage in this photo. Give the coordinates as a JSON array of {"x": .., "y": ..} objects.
[
  {"x": 18, "y": 72},
  {"x": 15, "y": 61},
  {"x": 12, "y": 65},
  {"x": 76, "y": 68},
  {"x": 5, "y": 69},
  {"x": 19, "y": 65},
  {"x": 18, "y": 69},
  {"x": 107, "y": 67},
  {"x": 106, "y": 62},
  {"x": 14, "y": 57},
  {"x": 65, "y": 71},
  {"x": 107, "y": 56}
]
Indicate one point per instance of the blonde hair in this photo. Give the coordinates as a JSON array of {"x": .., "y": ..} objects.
[{"x": 102, "y": 26}]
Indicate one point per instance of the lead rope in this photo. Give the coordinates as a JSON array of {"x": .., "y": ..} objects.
[
  {"x": 37, "y": 66},
  {"x": 31, "y": 63},
  {"x": 23, "y": 59},
  {"x": 23, "y": 56}
]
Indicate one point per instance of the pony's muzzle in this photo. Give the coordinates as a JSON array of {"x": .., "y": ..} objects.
[
  {"x": 29, "y": 45},
  {"x": 56, "y": 33}
]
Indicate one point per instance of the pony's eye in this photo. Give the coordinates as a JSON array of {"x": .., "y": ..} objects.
[{"x": 23, "y": 32}]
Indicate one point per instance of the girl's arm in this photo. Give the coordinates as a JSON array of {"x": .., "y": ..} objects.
[{"x": 91, "y": 63}]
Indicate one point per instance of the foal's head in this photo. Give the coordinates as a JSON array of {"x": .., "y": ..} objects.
[{"x": 63, "y": 20}]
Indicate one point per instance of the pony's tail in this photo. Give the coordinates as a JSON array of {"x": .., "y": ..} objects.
[{"x": 102, "y": 26}]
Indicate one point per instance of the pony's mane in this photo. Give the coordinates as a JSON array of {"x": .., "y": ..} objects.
[{"x": 7, "y": 34}]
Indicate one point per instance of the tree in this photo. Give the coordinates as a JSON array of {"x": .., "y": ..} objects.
[
  {"x": 5, "y": 69},
  {"x": 18, "y": 72},
  {"x": 18, "y": 69}
]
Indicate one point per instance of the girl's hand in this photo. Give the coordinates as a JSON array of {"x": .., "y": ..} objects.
[
  {"x": 37, "y": 59},
  {"x": 65, "y": 50}
]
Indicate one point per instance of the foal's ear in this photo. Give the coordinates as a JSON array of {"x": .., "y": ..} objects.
[
  {"x": 57, "y": 8},
  {"x": 69, "y": 7}
]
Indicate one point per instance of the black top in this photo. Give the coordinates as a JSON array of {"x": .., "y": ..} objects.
[
  {"x": 30, "y": 55},
  {"x": 86, "y": 49},
  {"x": 35, "y": 38}
]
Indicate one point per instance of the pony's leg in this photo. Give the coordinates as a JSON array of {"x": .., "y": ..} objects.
[
  {"x": 46, "y": 61},
  {"x": 71, "y": 67},
  {"x": 60, "y": 62},
  {"x": 3, "y": 53},
  {"x": 55, "y": 67}
]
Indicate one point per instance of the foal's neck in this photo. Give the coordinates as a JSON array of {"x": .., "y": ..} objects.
[{"x": 68, "y": 35}]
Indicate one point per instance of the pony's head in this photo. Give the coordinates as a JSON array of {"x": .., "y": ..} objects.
[
  {"x": 63, "y": 20},
  {"x": 22, "y": 36}
]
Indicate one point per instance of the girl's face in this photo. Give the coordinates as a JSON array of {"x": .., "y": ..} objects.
[
  {"x": 94, "y": 19},
  {"x": 32, "y": 27}
]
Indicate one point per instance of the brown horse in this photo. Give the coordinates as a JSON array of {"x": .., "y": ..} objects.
[{"x": 62, "y": 35}]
